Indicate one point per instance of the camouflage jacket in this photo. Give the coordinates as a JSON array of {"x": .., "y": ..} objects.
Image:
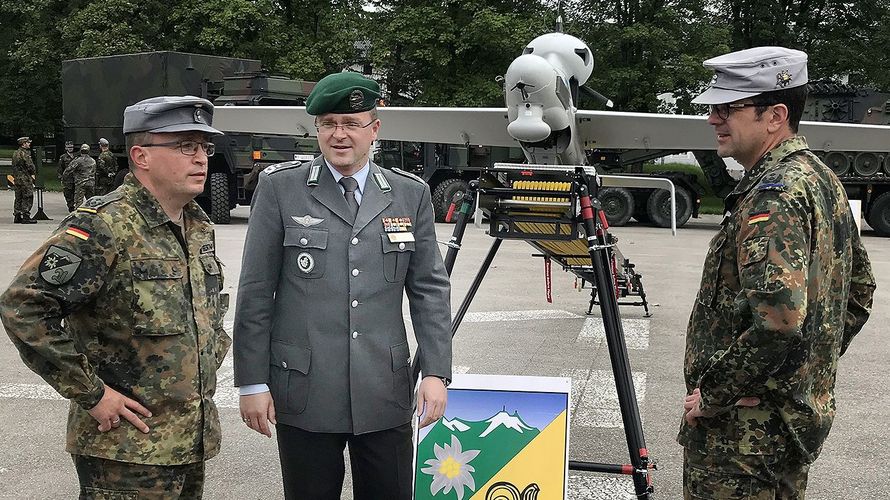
[
  {"x": 82, "y": 169},
  {"x": 786, "y": 285},
  {"x": 106, "y": 167},
  {"x": 139, "y": 315},
  {"x": 65, "y": 160},
  {"x": 23, "y": 167}
]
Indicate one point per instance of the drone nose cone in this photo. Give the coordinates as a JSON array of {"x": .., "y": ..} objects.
[{"x": 529, "y": 125}]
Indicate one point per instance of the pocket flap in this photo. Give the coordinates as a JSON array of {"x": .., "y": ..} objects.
[
  {"x": 402, "y": 246},
  {"x": 290, "y": 356},
  {"x": 753, "y": 250},
  {"x": 156, "y": 269},
  {"x": 210, "y": 264},
  {"x": 401, "y": 356},
  {"x": 306, "y": 237}
]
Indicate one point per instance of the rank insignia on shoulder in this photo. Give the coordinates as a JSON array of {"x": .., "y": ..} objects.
[
  {"x": 86, "y": 210},
  {"x": 771, "y": 186},
  {"x": 206, "y": 249},
  {"x": 78, "y": 233},
  {"x": 758, "y": 216},
  {"x": 58, "y": 265}
]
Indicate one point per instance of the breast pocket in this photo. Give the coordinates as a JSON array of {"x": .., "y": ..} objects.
[
  {"x": 396, "y": 257},
  {"x": 711, "y": 270},
  {"x": 306, "y": 250},
  {"x": 159, "y": 302}
]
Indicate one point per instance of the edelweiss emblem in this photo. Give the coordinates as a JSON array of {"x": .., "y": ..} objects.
[{"x": 783, "y": 78}]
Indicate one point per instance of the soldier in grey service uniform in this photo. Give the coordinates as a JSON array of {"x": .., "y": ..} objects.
[
  {"x": 331, "y": 246},
  {"x": 786, "y": 286},
  {"x": 120, "y": 311}
]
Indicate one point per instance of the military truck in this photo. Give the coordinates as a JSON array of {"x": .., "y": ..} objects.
[{"x": 96, "y": 90}]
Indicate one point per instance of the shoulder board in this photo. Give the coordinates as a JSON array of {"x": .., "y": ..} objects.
[
  {"x": 280, "y": 167},
  {"x": 96, "y": 202},
  {"x": 408, "y": 175},
  {"x": 771, "y": 186}
]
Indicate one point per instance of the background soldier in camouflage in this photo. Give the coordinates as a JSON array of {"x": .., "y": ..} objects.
[
  {"x": 67, "y": 180},
  {"x": 23, "y": 171},
  {"x": 106, "y": 169},
  {"x": 83, "y": 170},
  {"x": 120, "y": 311},
  {"x": 786, "y": 286}
]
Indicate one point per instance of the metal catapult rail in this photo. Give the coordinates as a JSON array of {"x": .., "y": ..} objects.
[{"x": 550, "y": 211}]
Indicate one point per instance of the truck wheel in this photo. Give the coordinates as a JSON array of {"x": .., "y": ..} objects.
[
  {"x": 219, "y": 198},
  {"x": 659, "y": 207},
  {"x": 444, "y": 193},
  {"x": 879, "y": 215},
  {"x": 641, "y": 213},
  {"x": 617, "y": 203}
]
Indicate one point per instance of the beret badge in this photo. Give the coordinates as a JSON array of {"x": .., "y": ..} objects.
[{"x": 356, "y": 98}]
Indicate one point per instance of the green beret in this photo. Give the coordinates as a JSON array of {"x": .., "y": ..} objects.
[{"x": 343, "y": 93}]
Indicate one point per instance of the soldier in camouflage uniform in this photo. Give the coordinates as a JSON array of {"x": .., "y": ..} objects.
[
  {"x": 67, "y": 180},
  {"x": 23, "y": 171},
  {"x": 83, "y": 170},
  {"x": 106, "y": 169},
  {"x": 120, "y": 311},
  {"x": 786, "y": 286}
]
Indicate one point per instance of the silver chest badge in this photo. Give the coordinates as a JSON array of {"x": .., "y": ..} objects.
[
  {"x": 305, "y": 262},
  {"x": 306, "y": 220}
]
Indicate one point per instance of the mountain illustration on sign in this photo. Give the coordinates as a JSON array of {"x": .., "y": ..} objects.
[{"x": 460, "y": 454}]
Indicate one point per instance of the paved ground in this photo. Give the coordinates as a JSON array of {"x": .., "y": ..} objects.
[{"x": 511, "y": 329}]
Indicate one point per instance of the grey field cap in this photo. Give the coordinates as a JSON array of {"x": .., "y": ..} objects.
[
  {"x": 170, "y": 114},
  {"x": 751, "y": 72}
]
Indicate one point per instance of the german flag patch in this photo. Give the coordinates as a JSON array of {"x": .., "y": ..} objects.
[
  {"x": 78, "y": 233},
  {"x": 761, "y": 216}
]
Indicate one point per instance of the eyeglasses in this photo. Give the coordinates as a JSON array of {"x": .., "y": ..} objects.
[
  {"x": 330, "y": 127},
  {"x": 188, "y": 148},
  {"x": 724, "y": 110}
]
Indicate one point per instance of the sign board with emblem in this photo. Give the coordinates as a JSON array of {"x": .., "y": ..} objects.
[{"x": 58, "y": 265}]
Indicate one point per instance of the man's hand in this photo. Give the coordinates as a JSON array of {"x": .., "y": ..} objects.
[
  {"x": 692, "y": 406},
  {"x": 431, "y": 400},
  {"x": 257, "y": 410},
  {"x": 114, "y": 405}
]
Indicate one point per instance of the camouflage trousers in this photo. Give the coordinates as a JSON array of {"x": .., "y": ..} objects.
[
  {"x": 102, "y": 479},
  {"x": 82, "y": 191},
  {"x": 24, "y": 200},
  {"x": 721, "y": 476},
  {"x": 68, "y": 190}
]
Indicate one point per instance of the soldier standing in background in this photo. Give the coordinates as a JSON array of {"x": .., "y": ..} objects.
[
  {"x": 23, "y": 171},
  {"x": 67, "y": 181},
  {"x": 106, "y": 169},
  {"x": 786, "y": 286},
  {"x": 120, "y": 311},
  {"x": 83, "y": 170}
]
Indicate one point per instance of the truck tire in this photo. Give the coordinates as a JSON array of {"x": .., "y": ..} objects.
[
  {"x": 641, "y": 213},
  {"x": 617, "y": 203},
  {"x": 219, "y": 198},
  {"x": 444, "y": 193},
  {"x": 659, "y": 207},
  {"x": 879, "y": 215}
]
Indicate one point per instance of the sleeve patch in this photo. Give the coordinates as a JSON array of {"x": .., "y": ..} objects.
[
  {"x": 58, "y": 265},
  {"x": 758, "y": 216},
  {"x": 78, "y": 233}
]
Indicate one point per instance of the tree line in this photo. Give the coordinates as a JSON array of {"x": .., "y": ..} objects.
[{"x": 440, "y": 53}]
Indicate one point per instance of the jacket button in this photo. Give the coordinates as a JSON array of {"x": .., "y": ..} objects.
[
  {"x": 284, "y": 364},
  {"x": 355, "y": 272},
  {"x": 354, "y": 303},
  {"x": 355, "y": 241},
  {"x": 401, "y": 246},
  {"x": 355, "y": 335},
  {"x": 304, "y": 241}
]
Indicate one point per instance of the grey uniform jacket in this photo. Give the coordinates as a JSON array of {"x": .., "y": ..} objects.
[{"x": 319, "y": 309}]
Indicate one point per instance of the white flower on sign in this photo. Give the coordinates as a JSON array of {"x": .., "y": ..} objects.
[{"x": 451, "y": 469}]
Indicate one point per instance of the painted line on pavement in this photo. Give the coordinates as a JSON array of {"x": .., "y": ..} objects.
[{"x": 636, "y": 332}]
